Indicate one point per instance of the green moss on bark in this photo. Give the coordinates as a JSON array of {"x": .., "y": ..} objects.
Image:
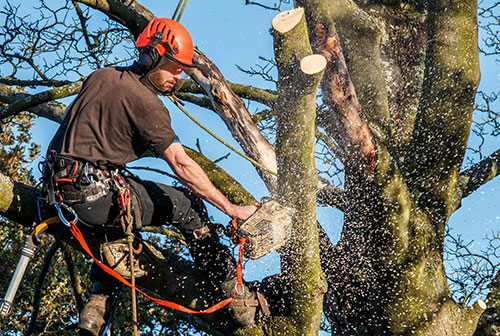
[{"x": 297, "y": 179}]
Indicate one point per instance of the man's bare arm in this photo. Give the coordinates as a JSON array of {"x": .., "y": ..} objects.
[{"x": 195, "y": 178}]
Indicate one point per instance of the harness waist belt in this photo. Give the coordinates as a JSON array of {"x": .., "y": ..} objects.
[{"x": 76, "y": 181}]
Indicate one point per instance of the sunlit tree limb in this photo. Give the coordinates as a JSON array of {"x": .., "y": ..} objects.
[
  {"x": 489, "y": 323},
  {"x": 339, "y": 94},
  {"x": 444, "y": 116},
  {"x": 479, "y": 174},
  {"x": 34, "y": 82},
  {"x": 26, "y": 102},
  {"x": 300, "y": 73},
  {"x": 364, "y": 62}
]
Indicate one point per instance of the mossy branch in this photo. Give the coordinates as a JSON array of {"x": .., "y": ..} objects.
[
  {"x": 29, "y": 101},
  {"x": 444, "y": 116},
  {"x": 33, "y": 83},
  {"x": 360, "y": 35},
  {"x": 346, "y": 122},
  {"x": 479, "y": 174},
  {"x": 51, "y": 110},
  {"x": 299, "y": 75},
  {"x": 233, "y": 112},
  {"x": 489, "y": 322},
  {"x": 266, "y": 97}
]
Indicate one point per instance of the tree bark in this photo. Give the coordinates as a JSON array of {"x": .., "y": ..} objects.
[
  {"x": 360, "y": 35},
  {"x": 51, "y": 110},
  {"x": 489, "y": 323},
  {"x": 233, "y": 112},
  {"x": 444, "y": 117},
  {"x": 299, "y": 75},
  {"x": 345, "y": 114},
  {"x": 27, "y": 102}
]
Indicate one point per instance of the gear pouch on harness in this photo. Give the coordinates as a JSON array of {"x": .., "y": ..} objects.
[
  {"x": 87, "y": 189},
  {"x": 74, "y": 181}
]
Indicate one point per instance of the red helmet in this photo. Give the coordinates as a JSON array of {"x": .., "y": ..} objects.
[{"x": 170, "y": 40}]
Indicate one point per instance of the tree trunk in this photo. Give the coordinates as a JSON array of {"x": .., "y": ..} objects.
[{"x": 299, "y": 75}]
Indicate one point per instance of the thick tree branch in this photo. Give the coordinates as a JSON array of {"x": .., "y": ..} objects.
[
  {"x": 360, "y": 36},
  {"x": 444, "y": 116},
  {"x": 489, "y": 323},
  {"x": 233, "y": 112},
  {"x": 33, "y": 83},
  {"x": 266, "y": 97},
  {"x": 480, "y": 173},
  {"x": 26, "y": 102},
  {"x": 51, "y": 110},
  {"x": 338, "y": 90}
]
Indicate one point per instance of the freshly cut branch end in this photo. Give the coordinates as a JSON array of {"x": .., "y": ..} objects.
[
  {"x": 312, "y": 64},
  {"x": 286, "y": 21},
  {"x": 480, "y": 304}
]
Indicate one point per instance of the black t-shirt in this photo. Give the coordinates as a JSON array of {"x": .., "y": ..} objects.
[{"x": 114, "y": 119}]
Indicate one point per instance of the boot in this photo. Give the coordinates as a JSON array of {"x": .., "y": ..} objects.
[
  {"x": 248, "y": 306},
  {"x": 97, "y": 311}
]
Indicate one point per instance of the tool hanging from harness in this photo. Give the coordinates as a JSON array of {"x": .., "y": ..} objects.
[
  {"x": 29, "y": 247},
  {"x": 71, "y": 182}
]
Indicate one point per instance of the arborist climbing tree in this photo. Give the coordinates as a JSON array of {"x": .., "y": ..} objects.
[{"x": 115, "y": 119}]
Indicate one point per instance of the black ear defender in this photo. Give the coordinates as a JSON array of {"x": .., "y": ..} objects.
[{"x": 149, "y": 56}]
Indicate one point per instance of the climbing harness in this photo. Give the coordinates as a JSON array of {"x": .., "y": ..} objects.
[{"x": 239, "y": 273}]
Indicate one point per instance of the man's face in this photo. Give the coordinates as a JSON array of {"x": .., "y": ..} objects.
[{"x": 166, "y": 75}]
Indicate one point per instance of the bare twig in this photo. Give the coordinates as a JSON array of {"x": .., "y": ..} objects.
[
  {"x": 222, "y": 158},
  {"x": 277, "y": 6}
]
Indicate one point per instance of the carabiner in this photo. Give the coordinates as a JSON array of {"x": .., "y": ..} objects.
[{"x": 61, "y": 215}]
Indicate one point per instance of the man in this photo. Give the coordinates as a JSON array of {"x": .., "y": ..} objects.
[{"x": 115, "y": 119}]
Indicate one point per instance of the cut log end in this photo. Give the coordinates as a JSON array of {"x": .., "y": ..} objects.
[
  {"x": 480, "y": 304},
  {"x": 313, "y": 64},
  {"x": 286, "y": 21}
]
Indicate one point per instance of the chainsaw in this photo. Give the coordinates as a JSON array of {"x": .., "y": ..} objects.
[{"x": 266, "y": 230}]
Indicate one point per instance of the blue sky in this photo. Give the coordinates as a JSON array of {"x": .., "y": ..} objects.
[{"x": 230, "y": 33}]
